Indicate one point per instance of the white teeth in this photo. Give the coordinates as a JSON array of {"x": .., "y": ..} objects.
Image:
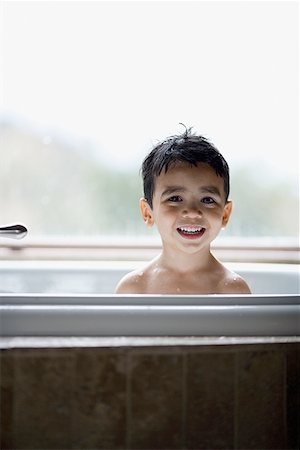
[{"x": 191, "y": 229}]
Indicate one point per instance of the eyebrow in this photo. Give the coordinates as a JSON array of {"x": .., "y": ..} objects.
[
  {"x": 211, "y": 190},
  {"x": 203, "y": 189},
  {"x": 172, "y": 189}
]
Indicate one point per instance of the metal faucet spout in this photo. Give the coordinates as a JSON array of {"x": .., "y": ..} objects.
[{"x": 13, "y": 231}]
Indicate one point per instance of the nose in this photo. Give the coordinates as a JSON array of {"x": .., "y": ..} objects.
[{"x": 192, "y": 210}]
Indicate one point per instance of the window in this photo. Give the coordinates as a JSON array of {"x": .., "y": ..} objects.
[{"x": 88, "y": 87}]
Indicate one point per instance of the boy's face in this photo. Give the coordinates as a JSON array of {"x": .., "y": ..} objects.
[{"x": 189, "y": 207}]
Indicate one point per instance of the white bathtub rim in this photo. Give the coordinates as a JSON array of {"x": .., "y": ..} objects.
[
  {"x": 145, "y": 299},
  {"x": 130, "y": 265},
  {"x": 41, "y": 342},
  {"x": 150, "y": 320}
]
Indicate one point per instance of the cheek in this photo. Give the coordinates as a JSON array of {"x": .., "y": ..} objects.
[
  {"x": 166, "y": 211},
  {"x": 215, "y": 214},
  {"x": 170, "y": 215},
  {"x": 165, "y": 217}
]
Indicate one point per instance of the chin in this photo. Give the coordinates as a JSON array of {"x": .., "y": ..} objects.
[{"x": 193, "y": 248}]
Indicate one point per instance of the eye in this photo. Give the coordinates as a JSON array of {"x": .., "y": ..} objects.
[
  {"x": 208, "y": 201},
  {"x": 175, "y": 199}
]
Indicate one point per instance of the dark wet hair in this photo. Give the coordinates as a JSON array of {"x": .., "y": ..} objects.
[{"x": 187, "y": 147}]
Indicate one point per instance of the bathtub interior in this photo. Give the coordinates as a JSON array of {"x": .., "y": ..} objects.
[
  {"x": 102, "y": 277},
  {"x": 76, "y": 299}
]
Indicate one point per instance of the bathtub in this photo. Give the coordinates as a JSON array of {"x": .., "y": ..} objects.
[{"x": 76, "y": 299}]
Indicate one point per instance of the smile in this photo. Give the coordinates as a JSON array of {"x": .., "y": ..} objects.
[{"x": 191, "y": 232}]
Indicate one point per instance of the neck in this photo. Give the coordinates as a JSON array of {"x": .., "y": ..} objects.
[{"x": 182, "y": 262}]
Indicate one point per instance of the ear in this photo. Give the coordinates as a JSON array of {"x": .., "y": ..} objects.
[
  {"x": 226, "y": 213},
  {"x": 146, "y": 212}
]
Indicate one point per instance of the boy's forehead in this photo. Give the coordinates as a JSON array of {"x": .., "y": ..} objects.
[
  {"x": 187, "y": 172},
  {"x": 184, "y": 174}
]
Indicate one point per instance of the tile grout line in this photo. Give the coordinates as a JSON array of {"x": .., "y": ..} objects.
[
  {"x": 184, "y": 399},
  {"x": 16, "y": 369},
  {"x": 72, "y": 424},
  {"x": 236, "y": 401},
  {"x": 128, "y": 400},
  {"x": 284, "y": 396}
]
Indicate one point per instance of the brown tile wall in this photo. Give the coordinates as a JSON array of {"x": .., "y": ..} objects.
[{"x": 196, "y": 397}]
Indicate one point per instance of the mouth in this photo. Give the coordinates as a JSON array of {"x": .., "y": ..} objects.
[{"x": 191, "y": 232}]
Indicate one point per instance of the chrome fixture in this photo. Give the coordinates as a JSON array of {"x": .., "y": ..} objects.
[{"x": 13, "y": 231}]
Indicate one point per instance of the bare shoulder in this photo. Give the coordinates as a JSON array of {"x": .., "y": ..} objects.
[
  {"x": 232, "y": 283},
  {"x": 132, "y": 283}
]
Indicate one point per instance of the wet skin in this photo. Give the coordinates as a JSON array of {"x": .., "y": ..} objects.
[
  {"x": 189, "y": 198},
  {"x": 189, "y": 209}
]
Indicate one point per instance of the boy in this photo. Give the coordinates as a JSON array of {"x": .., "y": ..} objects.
[{"x": 186, "y": 188}]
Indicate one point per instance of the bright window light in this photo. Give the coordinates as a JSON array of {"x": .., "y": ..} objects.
[{"x": 87, "y": 88}]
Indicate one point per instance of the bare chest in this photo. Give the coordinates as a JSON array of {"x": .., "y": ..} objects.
[{"x": 188, "y": 284}]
